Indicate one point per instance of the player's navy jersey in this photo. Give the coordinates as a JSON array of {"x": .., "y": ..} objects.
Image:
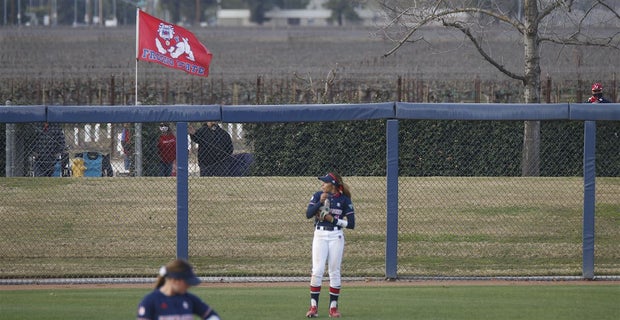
[
  {"x": 158, "y": 306},
  {"x": 340, "y": 206}
]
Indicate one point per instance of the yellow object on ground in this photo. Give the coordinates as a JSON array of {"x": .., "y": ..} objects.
[{"x": 78, "y": 167}]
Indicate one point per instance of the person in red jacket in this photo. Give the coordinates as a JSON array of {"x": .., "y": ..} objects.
[
  {"x": 166, "y": 149},
  {"x": 128, "y": 149},
  {"x": 597, "y": 94}
]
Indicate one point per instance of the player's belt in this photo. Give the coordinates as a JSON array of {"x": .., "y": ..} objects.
[{"x": 328, "y": 228}]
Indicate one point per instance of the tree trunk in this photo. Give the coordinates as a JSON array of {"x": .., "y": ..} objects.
[{"x": 530, "y": 163}]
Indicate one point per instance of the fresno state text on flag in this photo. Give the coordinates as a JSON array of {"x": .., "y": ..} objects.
[{"x": 171, "y": 46}]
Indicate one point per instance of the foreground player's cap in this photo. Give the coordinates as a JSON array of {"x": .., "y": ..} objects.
[
  {"x": 329, "y": 178},
  {"x": 188, "y": 275}
]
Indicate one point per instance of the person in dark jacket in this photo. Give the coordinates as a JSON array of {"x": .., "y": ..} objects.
[
  {"x": 215, "y": 149},
  {"x": 48, "y": 150}
]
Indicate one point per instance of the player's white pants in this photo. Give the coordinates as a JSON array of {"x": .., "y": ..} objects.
[{"x": 327, "y": 247}]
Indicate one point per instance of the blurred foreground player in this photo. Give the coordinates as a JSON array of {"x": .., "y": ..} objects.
[{"x": 171, "y": 299}]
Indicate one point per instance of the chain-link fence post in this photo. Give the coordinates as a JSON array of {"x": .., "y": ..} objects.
[
  {"x": 182, "y": 163},
  {"x": 138, "y": 150},
  {"x": 391, "y": 245},
  {"x": 9, "y": 167},
  {"x": 589, "y": 202}
]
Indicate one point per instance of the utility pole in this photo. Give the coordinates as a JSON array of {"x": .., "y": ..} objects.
[
  {"x": 87, "y": 16},
  {"x": 19, "y": 13},
  {"x": 101, "y": 22},
  {"x": 197, "y": 17},
  {"x": 54, "y": 13}
]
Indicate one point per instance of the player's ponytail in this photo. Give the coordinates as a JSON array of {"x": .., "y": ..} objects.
[
  {"x": 345, "y": 190},
  {"x": 342, "y": 187},
  {"x": 160, "y": 280}
]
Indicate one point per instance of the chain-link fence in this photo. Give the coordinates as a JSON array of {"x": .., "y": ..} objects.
[
  {"x": 464, "y": 208},
  {"x": 467, "y": 212}
]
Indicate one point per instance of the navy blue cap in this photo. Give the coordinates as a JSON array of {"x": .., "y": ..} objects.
[
  {"x": 187, "y": 275},
  {"x": 330, "y": 178}
]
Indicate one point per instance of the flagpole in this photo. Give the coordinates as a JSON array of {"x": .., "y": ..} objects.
[
  {"x": 138, "y": 126},
  {"x": 137, "y": 35}
]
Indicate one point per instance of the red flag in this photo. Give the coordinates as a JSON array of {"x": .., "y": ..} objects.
[{"x": 169, "y": 45}]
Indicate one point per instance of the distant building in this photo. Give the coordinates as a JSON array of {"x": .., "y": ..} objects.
[
  {"x": 233, "y": 17},
  {"x": 370, "y": 15},
  {"x": 298, "y": 17},
  {"x": 315, "y": 14}
]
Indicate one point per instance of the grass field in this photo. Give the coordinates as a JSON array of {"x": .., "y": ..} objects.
[
  {"x": 256, "y": 226},
  {"x": 569, "y": 301}
]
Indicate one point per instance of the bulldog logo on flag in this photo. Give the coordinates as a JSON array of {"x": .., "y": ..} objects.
[{"x": 171, "y": 46}]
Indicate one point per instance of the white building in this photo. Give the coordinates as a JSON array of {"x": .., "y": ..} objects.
[
  {"x": 298, "y": 17},
  {"x": 233, "y": 17},
  {"x": 315, "y": 14}
]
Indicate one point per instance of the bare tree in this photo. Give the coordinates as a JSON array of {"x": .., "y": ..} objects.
[
  {"x": 328, "y": 92},
  {"x": 562, "y": 22}
]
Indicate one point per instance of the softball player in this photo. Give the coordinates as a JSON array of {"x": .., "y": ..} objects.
[
  {"x": 332, "y": 211},
  {"x": 171, "y": 300}
]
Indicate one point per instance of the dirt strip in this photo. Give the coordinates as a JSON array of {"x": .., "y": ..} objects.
[{"x": 384, "y": 283}]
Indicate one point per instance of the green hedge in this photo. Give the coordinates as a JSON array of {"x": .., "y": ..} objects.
[{"x": 427, "y": 148}]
